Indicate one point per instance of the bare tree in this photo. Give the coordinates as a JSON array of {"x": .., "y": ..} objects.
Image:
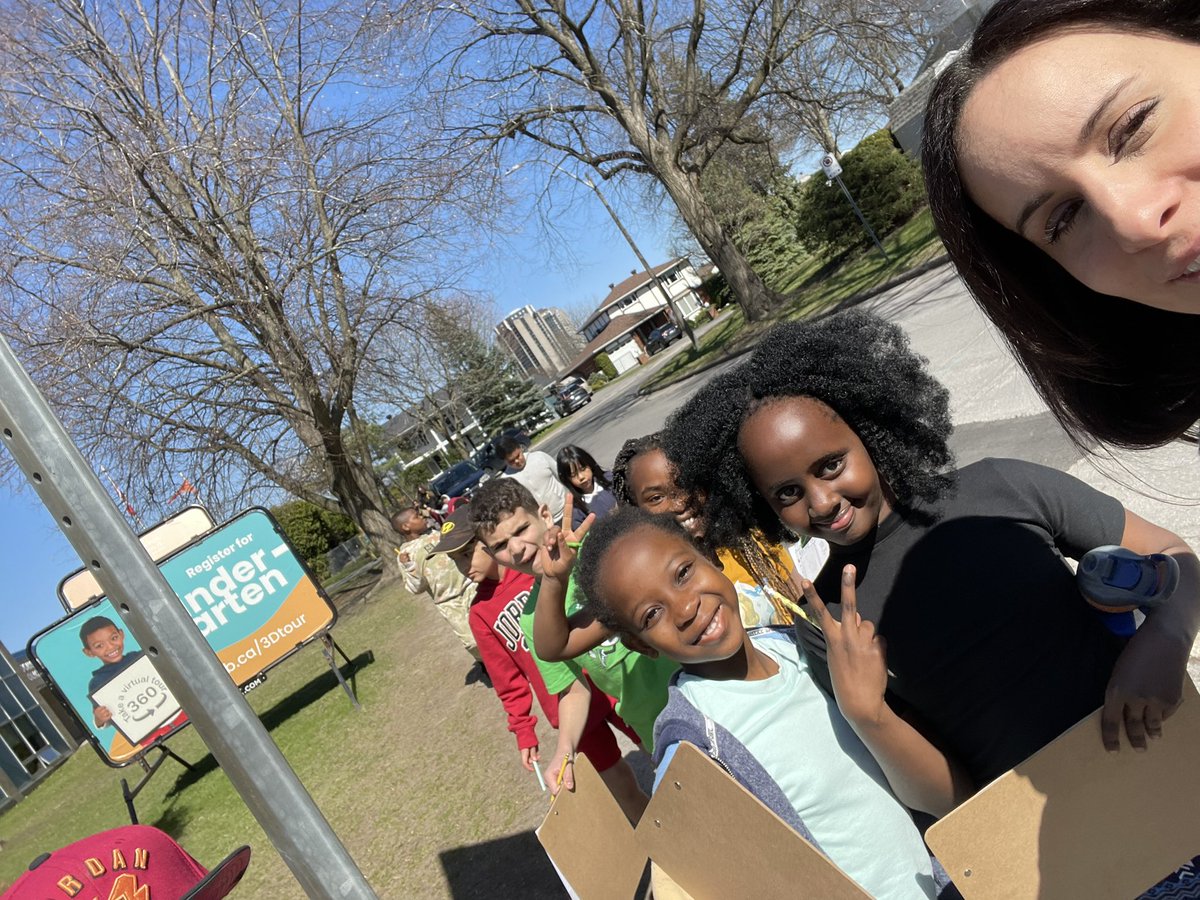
[
  {"x": 212, "y": 212},
  {"x": 620, "y": 86},
  {"x": 845, "y": 77},
  {"x": 448, "y": 365}
]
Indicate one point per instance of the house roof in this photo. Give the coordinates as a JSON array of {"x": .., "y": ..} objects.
[
  {"x": 911, "y": 102},
  {"x": 618, "y": 326},
  {"x": 629, "y": 285},
  {"x": 409, "y": 418}
]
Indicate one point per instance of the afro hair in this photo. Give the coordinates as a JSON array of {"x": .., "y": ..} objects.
[{"x": 856, "y": 363}]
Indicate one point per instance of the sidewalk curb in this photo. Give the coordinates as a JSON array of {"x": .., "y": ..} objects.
[{"x": 928, "y": 266}]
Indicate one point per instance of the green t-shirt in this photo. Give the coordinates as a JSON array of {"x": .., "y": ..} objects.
[{"x": 639, "y": 683}]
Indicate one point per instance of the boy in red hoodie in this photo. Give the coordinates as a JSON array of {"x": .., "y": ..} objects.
[
  {"x": 580, "y": 712},
  {"x": 494, "y": 620}
]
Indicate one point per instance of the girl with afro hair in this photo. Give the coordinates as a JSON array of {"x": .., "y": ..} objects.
[{"x": 835, "y": 429}]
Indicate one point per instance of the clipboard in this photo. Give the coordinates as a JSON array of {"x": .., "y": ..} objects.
[
  {"x": 717, "y": 840},
  {"x": 1074, "y": 820},
  {"x": 589, "y": 840}
]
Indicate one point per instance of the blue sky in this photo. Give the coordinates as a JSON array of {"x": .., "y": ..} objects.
[{"x": 534, "y": 268}]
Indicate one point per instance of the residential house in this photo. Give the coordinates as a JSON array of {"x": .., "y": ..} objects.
[
  {"x": 906, "y": 114},
  {"x": 427, "y": 434},
  {"x": 621, "y": 323}
]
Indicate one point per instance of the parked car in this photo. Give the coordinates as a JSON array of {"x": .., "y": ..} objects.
[
  {"x": 571, "y": 381},
  {"x": 572, "y": 398},
  {"x": 485, "y": 457},
  {"x": 459, "y": 480},
  {"x": 662, "y": 336}
]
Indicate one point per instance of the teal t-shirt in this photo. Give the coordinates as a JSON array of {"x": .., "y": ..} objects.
[
  {"x": 800, "y": 737},
  {"x": 639, "y": 683}
]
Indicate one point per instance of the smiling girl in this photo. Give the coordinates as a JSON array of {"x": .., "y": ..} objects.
[
  {"x": 586, "y": 480},
  {"x": 829, "y": 769},
  {"x": 1062, "y": 160},
  {"x": 836, "y": 430},
  {"x": 648, "y": 476}
]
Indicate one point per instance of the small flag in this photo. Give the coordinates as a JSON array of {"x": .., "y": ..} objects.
[
  {"x": 186, "y": 488},
  {"x": 121, "y": 496}
]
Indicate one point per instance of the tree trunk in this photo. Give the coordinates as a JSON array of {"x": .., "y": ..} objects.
[
  {"x": 755, "y": 298},
  {"x": 360, "y": 499}
]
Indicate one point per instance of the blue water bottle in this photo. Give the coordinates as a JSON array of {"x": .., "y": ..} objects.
[{"x": 1117, "y": 581}]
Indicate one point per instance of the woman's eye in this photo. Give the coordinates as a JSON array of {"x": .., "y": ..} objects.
[
  {"x": 1061, "y": 220},
  {"x": 1128, "y": 133}
]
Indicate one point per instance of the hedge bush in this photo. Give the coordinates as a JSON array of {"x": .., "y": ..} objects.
[
  {"x": 606, "y": 365},
  {"x": 313, "y": 532},
  {"x": 885, "y": 183},
  {"x": 597, "y": 380}
]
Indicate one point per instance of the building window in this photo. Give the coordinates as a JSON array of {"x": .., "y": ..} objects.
[{"x": 24, "y": 743}]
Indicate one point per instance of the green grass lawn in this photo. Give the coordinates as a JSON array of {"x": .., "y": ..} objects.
[
  {"x": 813, "y": 286},
  {"x": 424, "y": 774}
]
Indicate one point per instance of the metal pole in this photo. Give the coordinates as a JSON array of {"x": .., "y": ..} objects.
[
  {"x": 683, "y": 323},
  {"x": 861, "y": 217},
  {"x": 111, "y": 551}
]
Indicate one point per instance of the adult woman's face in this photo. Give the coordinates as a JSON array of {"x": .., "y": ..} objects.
[{"x": 1087, "y": 143}]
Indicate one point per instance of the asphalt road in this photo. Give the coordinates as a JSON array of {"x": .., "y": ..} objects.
[{"x": 995, "y": 410}]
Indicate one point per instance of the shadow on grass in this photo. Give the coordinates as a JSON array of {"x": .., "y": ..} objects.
[
  {"x": 282, "y": 711},
  {"x": 513, "y": 866},
  {"x": 173, "y": 819}
]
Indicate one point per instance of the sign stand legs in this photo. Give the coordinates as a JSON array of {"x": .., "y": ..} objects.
[
  {"x": 328, "y": 646},
  {"x": 129, "y": 793},
  {"x": 148, "y": 606}
]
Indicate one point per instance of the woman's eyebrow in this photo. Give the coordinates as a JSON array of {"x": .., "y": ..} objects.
[
  {"x": 1085, "y": 137},
  {"x": 1030, "y": 208},
  {"x": 1085, "y": 133}
]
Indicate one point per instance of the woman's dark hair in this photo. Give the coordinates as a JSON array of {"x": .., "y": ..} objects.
[
  {"x": 858, "y": 365},
  {"x": 620, "y": 522},
  {"x": 572, "y": 458},
  {"x": 1108, "y": 368},
  {"x": 632, "y": 448}
]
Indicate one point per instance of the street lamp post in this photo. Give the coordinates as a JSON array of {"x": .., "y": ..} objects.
[
  {"x": 591, "y": 185},
  {"x": 683, "y": 322}
]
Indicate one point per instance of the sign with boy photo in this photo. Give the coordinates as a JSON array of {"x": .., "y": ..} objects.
[
  {"x": 248, "y": 593},
  {"x": 108, "y": 681}
]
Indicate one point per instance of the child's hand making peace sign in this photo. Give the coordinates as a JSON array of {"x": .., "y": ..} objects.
[
  {"x": 920, "y": 774},
  {"x": 855, "y": 653},
  {"x": 561, "y": 543}
]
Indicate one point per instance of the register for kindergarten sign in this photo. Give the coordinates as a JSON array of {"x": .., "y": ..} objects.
[
  {"x": 249, "y": 594},
  {"x": 246, "y": 591}
]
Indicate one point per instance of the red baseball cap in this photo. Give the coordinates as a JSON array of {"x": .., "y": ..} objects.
[{"x": 135, "y": 861}]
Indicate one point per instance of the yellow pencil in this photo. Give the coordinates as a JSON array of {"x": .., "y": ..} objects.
[
  {"x": 786, "y": 602},
  {"x": 561, "y": 771}
]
